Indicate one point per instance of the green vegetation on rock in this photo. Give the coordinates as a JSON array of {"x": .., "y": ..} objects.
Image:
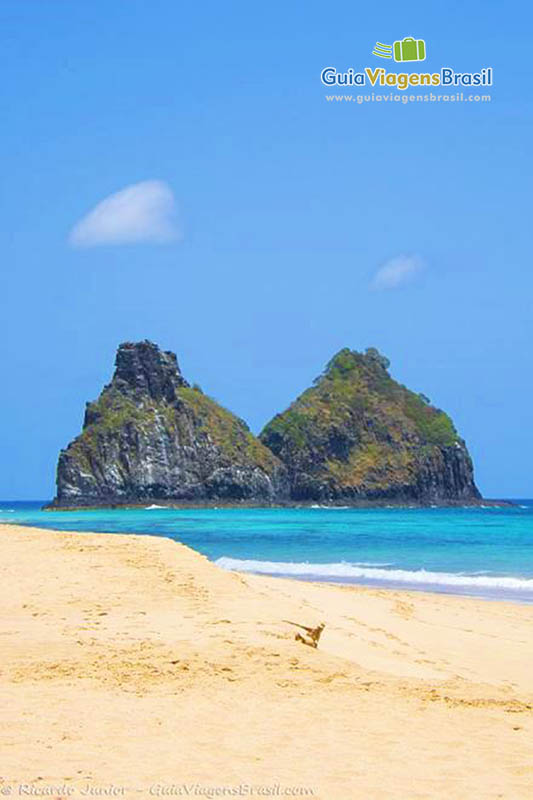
[
  {"x": 355, "y": 434},
  {"x": 152, "y": 436},
  {"x": 230, "y": 433},
  {"x": 359, "y": 433}
]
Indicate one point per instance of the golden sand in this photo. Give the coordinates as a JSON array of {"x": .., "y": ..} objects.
[{"x": 131, "y": 666}]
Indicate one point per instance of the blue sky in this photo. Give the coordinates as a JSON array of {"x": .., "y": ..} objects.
[{"x": 287, "y": 207}]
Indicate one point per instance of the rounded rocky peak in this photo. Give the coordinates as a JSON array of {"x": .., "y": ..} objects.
[
  {"x": 143, "y": 368},
  {"x": 347, "y": 360},
  {"x": 376, "y": 358}
]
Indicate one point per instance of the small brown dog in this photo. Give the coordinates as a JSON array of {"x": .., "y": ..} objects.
[{"x": 311, "y": 636}]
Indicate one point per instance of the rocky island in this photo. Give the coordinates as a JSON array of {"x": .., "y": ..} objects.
[
  {"x": 151, "y": 437},
  {"x": 356, "y": 436}
]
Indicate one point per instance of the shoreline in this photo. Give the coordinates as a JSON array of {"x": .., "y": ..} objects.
[
  {"x": 495, "y": 588},
  {"x": 105, "y": 634},
  {"x": 249, "y": 504},
  {"x": 397, "y": 586}
]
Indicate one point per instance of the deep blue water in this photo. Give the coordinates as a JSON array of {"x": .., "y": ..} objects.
[{"x": 485, "y": 551}]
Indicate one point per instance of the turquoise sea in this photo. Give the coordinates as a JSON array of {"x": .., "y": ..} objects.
[{"x": 484, "y": 551}]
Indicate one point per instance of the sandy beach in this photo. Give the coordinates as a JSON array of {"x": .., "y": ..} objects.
[{"x": 131, "y": 666}]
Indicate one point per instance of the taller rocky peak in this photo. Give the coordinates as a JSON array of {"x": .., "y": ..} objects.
[
  {"x": 151, "y": 437},
  {"x": 142, "y": 369}
]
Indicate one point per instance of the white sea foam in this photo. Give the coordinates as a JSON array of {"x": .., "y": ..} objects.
[
  {"x": 343, "y": 570},
  {"x": 151, "y": 508},
  {"x": 328, "y": 508}
]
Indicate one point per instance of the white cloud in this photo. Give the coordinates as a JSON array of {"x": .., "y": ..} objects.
[
  {"x": 142, "y": 212},
  {"x": 397, "y": 271}
]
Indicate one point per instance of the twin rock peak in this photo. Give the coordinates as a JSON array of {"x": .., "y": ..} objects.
[{"x": 356, "y": 436}]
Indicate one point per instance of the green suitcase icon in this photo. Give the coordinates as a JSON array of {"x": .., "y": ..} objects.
[{"x": 410, "y": 49}]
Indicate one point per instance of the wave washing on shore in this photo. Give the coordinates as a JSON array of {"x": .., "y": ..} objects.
[
  {"x": 481, "y": 550},
  {"x": 370, "y": 573}
]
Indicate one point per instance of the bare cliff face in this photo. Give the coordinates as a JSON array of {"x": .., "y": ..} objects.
[
  {"x": 150, "y": 436},
  {"x": 358, "y": 435}
]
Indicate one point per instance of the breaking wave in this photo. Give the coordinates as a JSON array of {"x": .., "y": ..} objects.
[
  {"x": 377, "y": 572},
  {"x": 329, "y": 508}
]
